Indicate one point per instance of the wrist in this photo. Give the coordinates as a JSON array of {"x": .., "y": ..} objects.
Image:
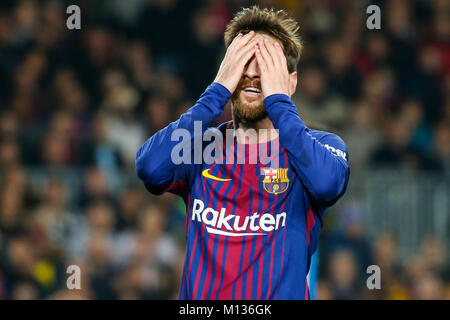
[
  {"x": 211, "y": 103},
  {"x": 273, "y": 92},
  {"x": 224, "y": 84},
  {"x": 275, "y": 98},
  {"x": 223, "y": 87}
]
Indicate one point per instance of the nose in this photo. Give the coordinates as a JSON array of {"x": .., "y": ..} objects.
[{"x": 252, "y": 69}]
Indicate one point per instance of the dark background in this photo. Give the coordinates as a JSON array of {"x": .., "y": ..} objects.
[{"x": 76, "y": 105}]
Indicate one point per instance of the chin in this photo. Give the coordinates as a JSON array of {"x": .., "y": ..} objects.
[{"x": 249, "y": 110}]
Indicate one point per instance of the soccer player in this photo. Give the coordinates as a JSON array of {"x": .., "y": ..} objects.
[{"x": 251, "y": 228}]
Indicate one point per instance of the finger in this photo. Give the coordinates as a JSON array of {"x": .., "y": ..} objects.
[
  {"x": 252, "y": 43},
  {"x": 265, "y": 54},
  {"x": 247, "y": 54},
  {"x": 280, "y": 55},
  {"x": 275, "y": 53},
  {"x": 242, "y": 39},
  {"x": 235, "y": 41},
  {"x": 261, "y": 62},
  {"x": 241, "y": 55},
  {"x": 272, "y": 50},
  {"x": 245, "y": 39}
]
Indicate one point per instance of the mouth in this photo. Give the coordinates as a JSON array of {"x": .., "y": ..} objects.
[{"x": 252, "y": 91}]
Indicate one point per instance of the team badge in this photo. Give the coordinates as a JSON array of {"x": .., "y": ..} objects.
[{"x": 275, "y": 180}]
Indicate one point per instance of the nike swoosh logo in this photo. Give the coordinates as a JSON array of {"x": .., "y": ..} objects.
[{"x": 206, "y": 174}]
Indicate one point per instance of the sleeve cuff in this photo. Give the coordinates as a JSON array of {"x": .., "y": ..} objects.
[
  {"x": 212, "y": 101},
  {"x": 221, "y": 90},
  {"x": 274, "y": 98}
]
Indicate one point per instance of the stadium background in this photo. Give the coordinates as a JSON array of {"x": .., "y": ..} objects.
[{"x": 76, "y": 105}]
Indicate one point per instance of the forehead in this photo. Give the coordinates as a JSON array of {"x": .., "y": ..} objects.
[{"x": 261, "y": 36}]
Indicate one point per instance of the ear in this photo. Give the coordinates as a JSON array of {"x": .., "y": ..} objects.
[{"x": 292, "y": 83}]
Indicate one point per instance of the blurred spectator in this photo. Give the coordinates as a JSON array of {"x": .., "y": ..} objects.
[
  {"x": 343, "y": 275},
  {"x": 362, "y": 136},
  {"x": 313, "y": 102}
]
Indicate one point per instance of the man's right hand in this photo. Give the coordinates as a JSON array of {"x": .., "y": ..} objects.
[{"x": 239, "y": 52}]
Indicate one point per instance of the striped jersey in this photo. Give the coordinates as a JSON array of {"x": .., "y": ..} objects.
[{"x": 252, "y": 226}]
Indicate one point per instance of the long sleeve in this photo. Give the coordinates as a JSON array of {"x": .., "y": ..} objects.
[
  {"x": 154, "y": 163},
  {"x": 320, "y": 163}
]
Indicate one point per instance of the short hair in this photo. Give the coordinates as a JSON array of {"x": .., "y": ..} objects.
[{"x": 275, "y": 23}]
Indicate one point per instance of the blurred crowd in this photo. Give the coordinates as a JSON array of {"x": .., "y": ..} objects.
[{"x": 75, "y": 105}]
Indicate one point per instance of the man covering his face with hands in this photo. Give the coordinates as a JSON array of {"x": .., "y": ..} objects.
[{"x": 251, "y": 227}]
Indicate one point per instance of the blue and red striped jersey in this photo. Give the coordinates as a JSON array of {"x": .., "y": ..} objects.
[{"x": 251, "y": 226}]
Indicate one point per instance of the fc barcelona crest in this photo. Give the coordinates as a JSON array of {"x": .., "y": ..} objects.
[{"x": 275, "y": 180}]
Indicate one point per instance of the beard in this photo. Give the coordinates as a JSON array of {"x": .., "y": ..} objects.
[{"x": 244, "y": 110}]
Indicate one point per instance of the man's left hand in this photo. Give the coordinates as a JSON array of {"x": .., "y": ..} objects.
[{"x": 273, "y": 66}]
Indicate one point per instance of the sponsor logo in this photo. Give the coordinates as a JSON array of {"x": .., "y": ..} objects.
[
  {"x": 206, "y": 174},
  {"x": 275, "y": 180},
  {"x": 218, "y": 222},
  {"x": 337, "y": 152}
]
